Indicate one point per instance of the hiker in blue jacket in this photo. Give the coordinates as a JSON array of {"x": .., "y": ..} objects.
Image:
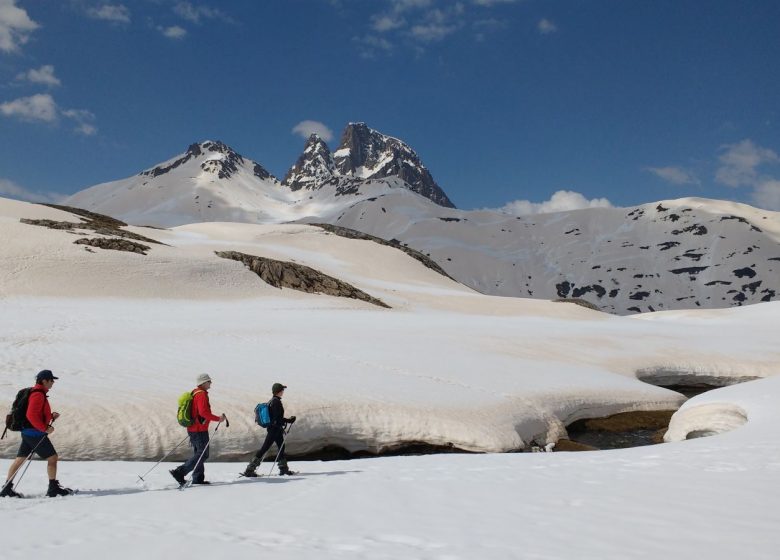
[{"x": 275, "y": 434}]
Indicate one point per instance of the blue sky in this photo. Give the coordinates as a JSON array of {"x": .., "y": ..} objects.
[{"x": 521, "y": 104}]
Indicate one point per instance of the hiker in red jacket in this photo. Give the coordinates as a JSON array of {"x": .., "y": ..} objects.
[
  {"x": 35, "y": 436},
  {"x": 199, "y": 433}
]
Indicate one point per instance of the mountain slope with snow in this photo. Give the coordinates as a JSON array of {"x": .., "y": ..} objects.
[
  {"x": 673, "y": 254},
  {"x": 676, "y": 254}
]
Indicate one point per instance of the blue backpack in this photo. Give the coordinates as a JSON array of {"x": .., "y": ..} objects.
[{"x": 263, "y": 415}]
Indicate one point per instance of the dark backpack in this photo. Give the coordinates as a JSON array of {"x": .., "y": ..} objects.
[{"x": 16, "y": 420}]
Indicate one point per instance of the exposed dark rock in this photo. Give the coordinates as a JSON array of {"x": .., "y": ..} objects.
[
  {"x": 563, "y": 288},
  {"x": 91, "y": 221},
  {"x": 598, "y": 290},
  {"x": 281, "y": 274},
  {"x": 716, "y": 282},
  {"x": 695, "y": 229},
  {"x": 580, "y": 302},
  {"x": 668, "y": 245},
  {"x": 689, "y": 270},
  {"x": 354, "y": 234},
  {"x": 450, "y": 219},
  {"x": 192, "y": 151},
  {"x": 314, "y": 168},
  {"x": 114, "y": 244},
  {"x": 752, "y": 286},
  {"x": 639, "y": 295},
  {"x": 743, "y": 272}
]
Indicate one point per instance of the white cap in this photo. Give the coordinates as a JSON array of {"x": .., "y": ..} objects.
[{"x": 203, "y": 378}]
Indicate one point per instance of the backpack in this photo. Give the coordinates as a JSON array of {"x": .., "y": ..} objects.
[
  {"x": 184, "y": 414},
  {"x": 16, "y": 420},
  {"x": 263, "y": 414}
]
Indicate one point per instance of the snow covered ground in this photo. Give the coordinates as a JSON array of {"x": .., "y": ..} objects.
[{"x": 127, "y": 333}]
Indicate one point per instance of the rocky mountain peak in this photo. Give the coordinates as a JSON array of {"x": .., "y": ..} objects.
[
  {"x": 314, "y": 167},
  {"x": 369, "y": 154},
  {"x": 218, "y": 158}
]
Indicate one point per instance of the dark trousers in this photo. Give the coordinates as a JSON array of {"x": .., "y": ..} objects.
[
  {"x": 275, "y": 435},
  {"x": 199, "y": 442}
]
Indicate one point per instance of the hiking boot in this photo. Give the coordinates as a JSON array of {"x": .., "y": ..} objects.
[
  {"x": 9, "y": 492},
  {"x": 56, "y": 490},
  {"x": 178, "y": 476},
  {"x": 249, "y": 472},
  {"x": 284, "y": 471}
]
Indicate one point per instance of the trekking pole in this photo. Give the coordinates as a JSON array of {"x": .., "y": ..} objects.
[
  {"x": 287, "y": 431},
  {"x": 227, "y": 425},
  {"x": 157, "y": 464},
  {"x": 26, "y": 462}
]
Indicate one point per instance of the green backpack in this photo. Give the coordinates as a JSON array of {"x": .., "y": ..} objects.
[{"x": 184, "y": 415}]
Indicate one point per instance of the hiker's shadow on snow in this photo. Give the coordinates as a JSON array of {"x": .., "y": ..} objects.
[
  {"x": 328, "y": 473},
  {"x": 112, "y": 492}
]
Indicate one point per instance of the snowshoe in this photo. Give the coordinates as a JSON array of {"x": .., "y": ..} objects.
[
  {"x": 55, "y": 489},
  {"x": 249, "y": 473},
  {"x": 287, "y": 472},
  {"x": 197, "y": 482}
]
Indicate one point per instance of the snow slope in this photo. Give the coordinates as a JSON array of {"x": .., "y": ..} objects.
[
  {"x": 127, "y": 333},
  {"x": 444, "y": 366}
]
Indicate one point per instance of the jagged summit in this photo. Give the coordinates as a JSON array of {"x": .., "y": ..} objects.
[
  {"x": 368, "y": 154},
  {"x": 363, "y": 155},
  {"x": 313, "y": 168}
]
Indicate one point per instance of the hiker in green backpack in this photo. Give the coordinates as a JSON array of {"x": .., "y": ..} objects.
[{"x": 199, "y": 433}]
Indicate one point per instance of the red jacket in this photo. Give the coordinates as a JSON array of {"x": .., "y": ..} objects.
[
  {"x": 38, "y": 409},
  {"x": 201, "y": 411}
]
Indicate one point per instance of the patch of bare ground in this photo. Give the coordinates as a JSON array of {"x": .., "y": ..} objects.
[
  {"x": 579, "y": 301},
  {"x": 114, "y": 244},
  {"x": 282, "y": 274},
  {"x": 97, "y": 223},
  {"x": 354, "y": 234}
]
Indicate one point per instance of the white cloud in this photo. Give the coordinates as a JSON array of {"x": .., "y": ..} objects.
[
  {"x": 15, "y": 26},
  {"x": 545, "y": 26},
  {"x": 83, "y": 119},
  {"x": 674, "y": 175},
  {"x": 173, "y": 32},
  {"x": 431, "y": 32},
  {"x": 387, "y": 22},
  {"x": 11, "y": 190},
  {"x": 740, "y": 162},
  {"x": 118, "y": 13},
  {"x": 767, "y": 194},
  {"x": 306, "y": 128},
  {"x": 190, "y": 12},
  {"x": 370, "y": 45},
  {"x": 561, "y": 201},
  {"x": 43, "y": 75},
  {"x": 40, "y": 107},
  {"x": 489, "y": 3}
]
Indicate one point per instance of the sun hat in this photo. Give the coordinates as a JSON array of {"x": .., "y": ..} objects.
[{"x": 203, "y": 378}]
